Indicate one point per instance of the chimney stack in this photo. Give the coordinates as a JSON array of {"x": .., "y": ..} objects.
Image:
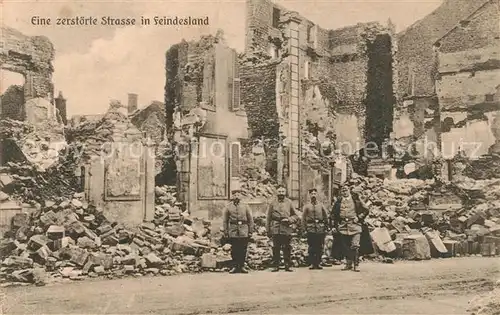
[
  {"x": 132, "y": 103},
  {"x": 61, "y": 107}
]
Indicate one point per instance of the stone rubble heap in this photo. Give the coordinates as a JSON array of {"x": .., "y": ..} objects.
[
  {"x": 38, "y": 144},
  {"x": 70, "y": 239},
  {"x": 405, "y": 225}
]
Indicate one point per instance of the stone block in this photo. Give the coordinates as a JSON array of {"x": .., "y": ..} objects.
[
  {"x": 382, "y": 239},
  {"x": 37, "y": 241},
  {"x": 85, "y": 242},
  {"x": 18, "y": 262},
  {"x": 208, "y": 261},
  {"x": 19, "y": 220},
  {"x": 103, "y": 260},
  {"x": 79, "y": 256},
  {"x": 453, "y": 247},
  {"x": 437, "y": 246},
  {"x": 488, "y": 249},
  {"x": 6, "y": 247},
  {"x": 175, "y": 230},
  {"x": 153, "y": 261},
  {"x": 43, "y": 254},
  {"x": 416, "y": 247},
  {"x": 55, "y": 232}
]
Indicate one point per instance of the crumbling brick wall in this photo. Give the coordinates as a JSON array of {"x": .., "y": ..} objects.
[
  {"x": 259, "y": 24},
  {"x": 258, "y": 96},
  {"x": 468, "y": 88},
  {"x": 30, "y": 56},
  {"x": 416, "y": 57},
  {"x": 477, "y": 31}
]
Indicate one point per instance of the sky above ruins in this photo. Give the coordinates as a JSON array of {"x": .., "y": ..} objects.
[{"x": 98, "y": 63}]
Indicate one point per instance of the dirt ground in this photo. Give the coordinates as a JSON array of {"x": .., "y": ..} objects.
[{"x": 441, "y": 286}]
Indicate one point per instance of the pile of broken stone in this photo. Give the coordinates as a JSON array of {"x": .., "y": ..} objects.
[
  {"x": 405, "y": 224},
  {"x": 68, "y": 238},
  {"x": 71, "y": 239}
]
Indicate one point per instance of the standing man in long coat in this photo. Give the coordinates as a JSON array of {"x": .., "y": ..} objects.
[
  {"x": 315, "y": 223},
  {"x": 279, "y": 220},
  {"x": 348, "y": 215},
  {"x": 238, "y": 227}
]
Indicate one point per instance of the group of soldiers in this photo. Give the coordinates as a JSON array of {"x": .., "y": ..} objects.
[{"x": 345, "y": 221}]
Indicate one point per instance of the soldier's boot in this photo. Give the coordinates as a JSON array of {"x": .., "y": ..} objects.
[
  {"x": 356, "y": 261},
  {"x": 288, "y": 269},
  {"x": 234, "y": 270},
  {"x": 242, "y": 268},
  {"x": 348, "y": 265}
]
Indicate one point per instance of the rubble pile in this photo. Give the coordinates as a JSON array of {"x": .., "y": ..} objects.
[
  {"x": 96, "y": 135},
  {"x": 66, "y": 238},
  {"x": 486, "y": 167},
  {"x": 263, "y": 186},
  {"x": 25, "y": 182},
  {"x": 38, "y": 144},
  {"x": 402, "y": 214},
  {"x": 72, "y": 239}
]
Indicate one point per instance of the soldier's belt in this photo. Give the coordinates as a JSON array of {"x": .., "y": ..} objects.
[
  {"x": 314, "y": 221},
  {"x": 348, "y": 219},
  {"x": 238, "y": 222}
]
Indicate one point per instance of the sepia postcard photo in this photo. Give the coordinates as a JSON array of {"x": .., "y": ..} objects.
[{"x": 250, "y": 157}]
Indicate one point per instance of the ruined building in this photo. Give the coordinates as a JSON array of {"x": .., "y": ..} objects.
[
  {"x": 468, "y": 83},
  {"x": 206, "y": 120},
  {"x": 31, "y": 57},
  {"x": 418, "y": 112},
  {"x": 317, "y": 87},
  {"x": 299, "y": 91}
]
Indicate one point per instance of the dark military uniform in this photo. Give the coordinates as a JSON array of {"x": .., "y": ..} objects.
[
  {"x": 315, "y": 222},
  {"x": 280, "y": 230},
  {"x": 348, "y": 216},
  {"x": 238, "y": 226}
]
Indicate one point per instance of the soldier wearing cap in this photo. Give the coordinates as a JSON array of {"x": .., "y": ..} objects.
[
  {"x": 279, "y": 220},
  {"x": 347, "y": 216},
  {"x": 315, "y": 223},
  {"x": 238, "y": 226}
]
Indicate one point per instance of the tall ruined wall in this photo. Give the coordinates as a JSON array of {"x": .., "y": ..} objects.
[
  {"x": 380, "y": 98},
  {"x": 30, "y": 56},
  {"x": 468, "y": 87},
  {"x": 259, "y": 24},
  {"x": 258, "y": 96},
  {"x": 173, "y": 84},
  {"x": 479, "y": 30},
  {"x": 416, "y": 57}
]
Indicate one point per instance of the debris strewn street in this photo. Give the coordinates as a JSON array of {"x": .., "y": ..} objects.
[{"x": 435, "y": 287}]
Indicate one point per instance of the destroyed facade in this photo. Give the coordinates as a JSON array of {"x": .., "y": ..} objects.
[{"x": 297, "y": 91}]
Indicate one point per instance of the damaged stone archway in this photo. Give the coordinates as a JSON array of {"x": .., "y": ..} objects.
[{"x": 30, "y": 56}]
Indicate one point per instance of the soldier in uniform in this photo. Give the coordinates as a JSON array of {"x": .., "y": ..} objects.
[
  {"x": 238, "y": 226},
  {"x": 348, "y": 215},
  {"x": 279, "y": 220},
  {"x": 315, "y": 222}
]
